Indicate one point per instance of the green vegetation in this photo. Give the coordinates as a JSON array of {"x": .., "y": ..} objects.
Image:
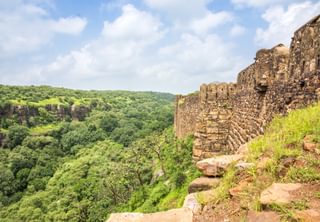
[
  {"x": 283, "y": 139},
  {"x": 122, "y": 156}
]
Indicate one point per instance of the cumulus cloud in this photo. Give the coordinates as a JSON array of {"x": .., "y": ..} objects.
[
  {"x": 210, "y": 21},
  {"x": 69, "y": 25},
  {"x": 25, "y": 27},
  {"x": 137, "y": 50},
  {"x": 282, "y": 22},
  {"x": 193, "y": 16},
  {"x": 194, "y": 56},
  {"x": 119, "y": 48},
  {"x": 133, "y": 25},
  {"x": 141, "y": 57}
]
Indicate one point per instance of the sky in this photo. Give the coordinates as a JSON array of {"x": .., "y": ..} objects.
[{"x": 142, "y": 45}]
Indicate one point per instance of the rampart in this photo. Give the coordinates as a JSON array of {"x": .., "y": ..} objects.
[
  {"x": 187, "y": 111},
  {"x": 226, "y": 116}
]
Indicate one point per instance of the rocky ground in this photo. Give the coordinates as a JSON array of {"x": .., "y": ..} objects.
[{"x": 257, "y": 197}]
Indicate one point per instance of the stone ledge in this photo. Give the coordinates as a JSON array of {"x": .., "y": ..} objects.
[
  {"x": 175, "y": 215},
  {"x": 216, "y": 166}
]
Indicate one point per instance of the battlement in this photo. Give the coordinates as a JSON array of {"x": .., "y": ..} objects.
[{"x": 216, "y": 92}]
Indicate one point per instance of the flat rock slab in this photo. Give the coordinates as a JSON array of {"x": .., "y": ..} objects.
[
  {"x": 202, "y": 184},
  {"x": 216, "y": 166},
  {"x": 262, "y": 217},
  {"x": 310, "y": 215},
  {"x": 279, "y": 193},
  {"x": 175, "y": 215},
  {"x": 192, "y": 203}
]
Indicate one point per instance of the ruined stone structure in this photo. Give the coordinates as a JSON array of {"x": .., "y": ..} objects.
[
  {"x": 186, "y": 114},
  {"x": 213, "y": 123},
  {"x": 225, "y": 116}
]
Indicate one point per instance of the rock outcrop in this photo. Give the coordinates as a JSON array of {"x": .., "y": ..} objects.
[
  {"x": 279, "y": 193},
  {"x": 216, "y": 166},
  {"x": 223, "y": 116},
  {"x": 23, "y": 113}
]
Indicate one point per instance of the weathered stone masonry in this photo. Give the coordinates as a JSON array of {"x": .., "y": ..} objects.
[
  {"x": 213, "y": 122},
  {"x": 226, "y": 116},
  {"x": 186, "y": 114}
]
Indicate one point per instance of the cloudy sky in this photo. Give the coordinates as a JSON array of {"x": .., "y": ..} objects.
[{"x": 159, "y": 45}]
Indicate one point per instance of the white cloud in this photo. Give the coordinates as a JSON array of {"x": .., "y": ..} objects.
[
  {"x": 172, "y": 47},
  {"x": 25, "y": 27},
  {"x": 192, "y": 56},
  {"x": 117, "y": 50},
  {"x": 237, "y": 30},
  {"x": 211, "y": 20},
  {"x": 142, "y": 57},
  {"x": 69, "y": 25},
  {"x": 282, "y": 22},
  {"x": 192, "y": 16},
  {"x": 125, "y": 28}
]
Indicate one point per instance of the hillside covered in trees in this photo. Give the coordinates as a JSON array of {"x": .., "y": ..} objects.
[{"x": 72, "y": 155}]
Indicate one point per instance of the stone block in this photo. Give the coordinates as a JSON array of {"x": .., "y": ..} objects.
[{"x": 202, "y": 184}]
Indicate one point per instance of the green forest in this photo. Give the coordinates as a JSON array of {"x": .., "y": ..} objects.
[{"x": 75, "y": 155}]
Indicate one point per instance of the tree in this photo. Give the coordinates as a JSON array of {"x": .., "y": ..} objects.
[
  {"x": 109, "y": 122},
  {"x": 140, "y": 162},
  {"x": 7, "y": 185},
  {"x": 16, "y": 134},
  {"x": 156, "y": 143}
]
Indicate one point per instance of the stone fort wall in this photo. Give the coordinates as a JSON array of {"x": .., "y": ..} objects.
[
  {"x": 224, "y": 116},
  {"x": 186, "y": 114}
]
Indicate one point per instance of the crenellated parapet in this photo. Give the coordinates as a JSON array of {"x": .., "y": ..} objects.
[{"x": 280, "y": 79}]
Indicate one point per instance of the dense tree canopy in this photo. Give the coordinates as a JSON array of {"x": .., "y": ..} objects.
[{"x": 122, "y": 156}]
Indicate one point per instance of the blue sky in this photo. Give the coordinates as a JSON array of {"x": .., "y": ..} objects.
[{"x": 158, "y": 45}]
